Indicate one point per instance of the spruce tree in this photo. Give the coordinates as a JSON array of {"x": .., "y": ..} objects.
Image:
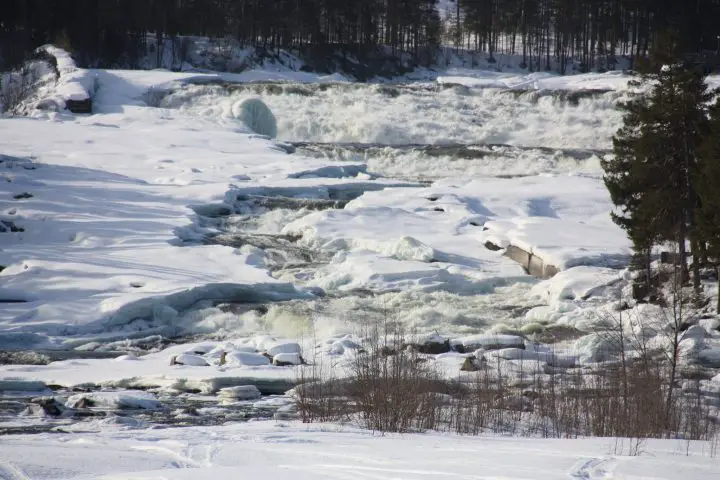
[{"x": 651, "y": 175}]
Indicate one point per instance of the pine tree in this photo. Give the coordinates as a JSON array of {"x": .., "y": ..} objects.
[{"x": 651, "y": 176}]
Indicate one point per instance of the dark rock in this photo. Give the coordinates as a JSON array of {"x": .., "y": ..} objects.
[
  {"x": 8, "y": 226},
  {"x": 82, "y": 403},
  {"x": 23, "y": 196},
  {"x": 458, "y": 347},
  {"x": 386, "y": 351},
  {"x": 79, "y": 106},
  {"x": 531, "y": 394},
  {"x": 471, "y": 364},
  {"x": 492, "y": 246},
  {"x": 49, "y": 405},
  {"x": 430, "y": 348}
]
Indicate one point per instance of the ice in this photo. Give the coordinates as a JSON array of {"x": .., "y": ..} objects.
[
  {"x": 257, "y": 116},
  {"x": 241, "y": 392},
  {"x": 579, "y": 283},
  {"x": 114, "y": 400},
  {"x": 487, "y": 341}
]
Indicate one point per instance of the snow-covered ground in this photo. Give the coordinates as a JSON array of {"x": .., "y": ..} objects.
[{"x": 293, "y": 451}]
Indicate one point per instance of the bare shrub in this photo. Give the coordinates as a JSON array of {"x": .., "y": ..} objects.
[{"x": 633, "y": 395}]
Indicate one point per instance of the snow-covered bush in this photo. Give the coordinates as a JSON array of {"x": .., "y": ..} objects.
[{"x": 19, "y": 86}]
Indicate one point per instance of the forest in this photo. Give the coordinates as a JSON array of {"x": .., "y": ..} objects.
[{"x": 548, "y": 34}]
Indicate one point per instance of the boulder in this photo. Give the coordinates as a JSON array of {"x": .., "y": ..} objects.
[
  {"x": 287, "y": 359},
  {"x": 189, "y": 359},
  {"x": 79, "y": 106},
  {"x": 471, "y": 364},
  {"x": 247, "y": 359},
  {"x": 289, "y": 347},
  {"x": 241, "y": 392}
]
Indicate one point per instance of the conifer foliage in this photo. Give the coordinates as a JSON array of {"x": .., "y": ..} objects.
[{"x": 665, "y": 172}]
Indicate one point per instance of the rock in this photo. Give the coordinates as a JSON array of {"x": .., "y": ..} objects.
[
  {"x": 289, "y": 347},
  {"x": 432, "y": 345},
  {"x": 287, "y": 359},
  {"x": 8, "y": 226},
  {"x": 128, "y": 357},
  {"x": 472, "y": 364},
  {"x": 247, "y": 359},
  {"x": 48, "y": 405},
  {"x": 23, "y": 196},
  {"x": 241, "y": 392},
  {"x": 597, "y": 347},
  {"x": 488, "y": 341},
  {"x": 79, "y": 401},
  {"x": 79, "y": 106},
  {"x": 343, "y": 346},
  {"x": 189, "y": 359},
  {"x": 710, "y": 357},
  {"x": 122, "y": 399}
]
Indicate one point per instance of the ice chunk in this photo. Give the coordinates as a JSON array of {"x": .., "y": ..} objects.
[
  {"x": 597, "y": 347},
  {"x": 409, "y": 248},
  {"x": 256, "y": 116},
  {"x": 492, "y": 341},
  {"x": 241, "y": 392},
  {"x": 134, "y": 399}
]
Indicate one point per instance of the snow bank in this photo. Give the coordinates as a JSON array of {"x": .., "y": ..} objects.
[{"x": 74, "y": 84}]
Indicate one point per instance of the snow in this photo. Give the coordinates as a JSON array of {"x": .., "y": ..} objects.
[{"x": 282, "y": 450}]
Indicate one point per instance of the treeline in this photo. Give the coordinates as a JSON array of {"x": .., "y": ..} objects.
[
  {"x": 546, "y": 33},
  {"x": 115, "y": 32}
]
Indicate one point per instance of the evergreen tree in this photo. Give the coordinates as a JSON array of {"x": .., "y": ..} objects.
[{"x": 656, "y": 159}]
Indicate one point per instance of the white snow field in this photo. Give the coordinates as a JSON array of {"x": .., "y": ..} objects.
[{"x": 293, "y": 451}]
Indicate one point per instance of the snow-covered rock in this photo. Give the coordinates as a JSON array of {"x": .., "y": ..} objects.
[
  {"x": 284, "y": 359},
  {"x": 597, "y": 347},
  {"x": 189, "y": 359},
  {"x": 247, "y": 359},
  {"x": 288, "y": 347},
  {"x": 241, "y": 392},
  {"x": 130, "y": 399},
  {"x": 492, "y": 341}
]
